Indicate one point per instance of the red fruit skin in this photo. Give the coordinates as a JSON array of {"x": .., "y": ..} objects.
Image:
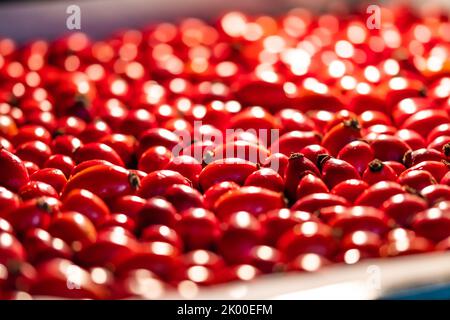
[
  {"x": 123, "y": 145},
  {"x": 61, "y": 162},
  {"x": 65, "y": 145},
  {"x": 439, "y": 131},
  {"x": 411, "y": 158},
  {"x": 53, "y": 177},
  {"x": 11, "y": 250},
  {"x": 316, "y": 201},
  {"x": 276, "y": 222},
  {"x": 338, "y": 118},
  {"x": 128, "y": 204},
  {"x": 157, "y": 137},
  {"x": 376, "y": 194},
  {"x": 159, "y": 232},
  {"x": 313, "y": 151},
  {"x": 389, "y": 148},
  {"x": 9, "y": 201},
  {"x": 366, "y": 243},
  {"x": 255, "y": 153},
  {"x": 31, "y": 133},
  {"x": 156, "y": 183},
  {"x": 335, "y": 171},
  {"x": 437, "y": 169},
  {"x": 409, "y": 245},
  {"x": 35, "y": 189},
  {"x": 396, "y": 166},
  {"x": 350, "y": 189},
  {"x": 444, "y": 245},
  {"x": 292, "y": 119},
  {"x": 310, "y": 184},
  {"x": 372, "y": 117},
  {"x": 137, "y": 121},
  {"x": 294, "y": 141},
  {"x": 118, "y": 220},
  {"x": 34, "y": 213},
  {"x": 229, "y": 169},
  {"x": 154, "y": 158},
  {"x": 378, "y": 171},
  {"x": 433, "y": 224},
  {"x": 413, "y": 139},
  {"x": 31, "y": 167},
  {"x": 41, "y": 246},
  {"x": 360, "y": 218},
  {"x": 265, "y": 178},
  {"x": 54, "y": 280},
  {"x": 183, "y": 197},
  {"x": 95, "y": 131},
  {"x": 188, "y": 166},
  {"x": 253, "y": 200},
  {"x": 403, "y": 207},
  {"x": 416, "y": 179},
  {"x": 198, "y": 228},
  {"x": 307, "y": 237},
  {"x": 87, "y": 164},
  {"x": 340, "y": 135},
  {"x": 435, "y": 193},
  {"x": 301, "y": 263},
  {"x": 156, "y": 210},
  {"x": 106, "y": 181},
  {"x": 446, "y": 179},
  {"x": 298, "y": 165},
  {"x": 358, "y": 154},
  {"x": 266, "y": 258},
  {"x": 95, "y": 150},
  {"x": 13, "y": 173},
  {"x": 88, "y": 204},
  {"x": 34, "y": 151},
  {"x": 424, "y": 121},
  {"x": 277, "y": 162},
  {"x": 241, "y": 234},
  {"x": 216, "y": 191}
]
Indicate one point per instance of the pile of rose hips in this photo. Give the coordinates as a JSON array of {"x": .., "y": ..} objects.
[{"x": 100, "y": 197}]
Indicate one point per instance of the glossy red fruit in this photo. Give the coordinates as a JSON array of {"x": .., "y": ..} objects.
[
  {"x": 307, "y": 237},
  {"x": 123, "y": 145},
  {"x": 266, "y": 178},
  {"x": 292, "y": 119},
  {"x": 9, "y": 201},
  {"x": 198, "y": 228},
  {"x": 31, "y": 133},
  {"x": 360, "y": 218},
  {"x": 335, "y": 171},
  {"x": 106, "y": 181},
  {"x": 95, "y": 131},
  {"x": 159, "y": 232},
  {"x": 118, "y": 220},
  {"x": 51, "y": 176},
  {"x": 424, "y": 121},
  {"x": 66, "y": 145},
  {"x": 61, "y": 278},
  {"x": 188, "y": 166},
  {"x": 74, "y": 228},
  {"x": 128, "y": 204},
  {"x": 376, "y": 194},
  {"x": 13, "y": 174},
  {"x": 403, "y": 208},
  {"x": 372, "y": 117},
  {"x": 313, "y": 151},
  {"x": 241, "y": 234},
  {"x": 435, "y": 193},
  {"x": 389, "y": 148},
  {"x": 444, "y": 245},
  {"x": 440, "y": 130},
  {"x": 35, "y": 189},
  {"x": 350, "y": 189},
  {"x": 359, "y": 245},
  {"x": 95, "y": 150},
  {"x": 11, "y": 250},
  {"x": 294, "y": 141},
  {"x": 378, "y": 171},
  {"x": 61, "y": 162},
  {"x": 338, "y": 117},
  {"x": 266, "y": 258},
  {"x": 255, "y": 153},
  {"x": 34, "y": 213},
  {"x": 41, "y": 246},
  {"x": 298, "y": 165},
  {"x": 229, "y": 169},
  {"x": 156, "y": 210},
  {"x": 253, "y": 200},
  {"x": 157, "y": 182},
  {"x": 275, "y": 223},
  {"x": 396, "y": 166},
  {"x": 87, "y": 164},
  {"x": 416, "y": 179},
  {"x": 412, "y": 158},
  {"x": 402, "y": 242},
  {"x": 340, "y": 135},
  {"x": 316, "y": 201},
  {"x": 157, "y": 137},
  {"x": 435, "y": 168},
  {"x": 358, "y": 154},
  {"x": 88, "y": 204},
  {"x": 31, "y": 167},
  {"x": 34, "y": 151},
  {"x": 216, "y": 191},
  {"x": 308, "y": 262},
  {"x": 310, "y": 184},
  {"x": 277, "y": 162},
  {"x": 154, "y": 158},
  {"x": 412, "y": 138},
  {"x": 183, "y": 197},
  {"x": 137, "y": 121},
  {"x": 433, "y": 224}
]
